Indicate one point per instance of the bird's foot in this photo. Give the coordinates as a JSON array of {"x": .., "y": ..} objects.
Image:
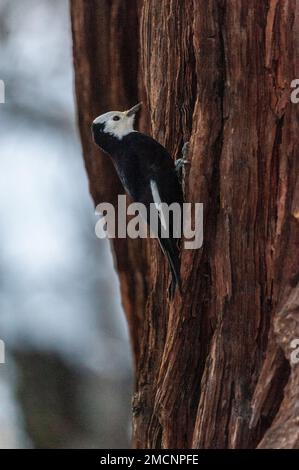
[{"x": 181, "y": 162}]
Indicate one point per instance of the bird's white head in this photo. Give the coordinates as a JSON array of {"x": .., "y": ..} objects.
[{"x": 118, "y": 123}]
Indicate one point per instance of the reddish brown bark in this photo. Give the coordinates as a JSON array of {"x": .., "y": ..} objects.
[{"x": 213, "y": 367}]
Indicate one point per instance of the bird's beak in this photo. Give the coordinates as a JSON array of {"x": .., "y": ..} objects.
[{"x": 133, "y": 110}]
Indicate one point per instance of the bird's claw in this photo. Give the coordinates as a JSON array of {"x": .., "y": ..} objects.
[{"x": 181, "y": 162}]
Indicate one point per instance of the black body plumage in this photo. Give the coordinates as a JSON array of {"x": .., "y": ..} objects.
[{"x": 140, "y": 160}]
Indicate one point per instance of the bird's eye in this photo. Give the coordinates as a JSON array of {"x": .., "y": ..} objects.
[{"x": 116, "y": 118}]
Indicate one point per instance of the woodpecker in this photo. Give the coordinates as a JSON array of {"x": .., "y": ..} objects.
[{"x": 147, "y": 172}]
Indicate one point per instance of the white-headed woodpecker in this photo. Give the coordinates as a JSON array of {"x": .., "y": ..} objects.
[{"x": 146, "y": 171}]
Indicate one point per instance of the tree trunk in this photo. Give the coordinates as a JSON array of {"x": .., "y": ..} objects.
[{"x": 213, "y": 368}]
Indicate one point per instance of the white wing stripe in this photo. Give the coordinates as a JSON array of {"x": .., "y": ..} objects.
[{"x": 158, "y": 202}]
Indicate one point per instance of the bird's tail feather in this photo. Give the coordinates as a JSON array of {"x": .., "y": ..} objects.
[{"x": 171, "y": 251}]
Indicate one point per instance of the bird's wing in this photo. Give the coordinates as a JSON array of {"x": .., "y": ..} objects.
[
  {"x": 158, "y": 166},
  {"x": 157, "y": 181},
  {"x": 166, "y": 188},
  {"x": 162, "y": 186}
]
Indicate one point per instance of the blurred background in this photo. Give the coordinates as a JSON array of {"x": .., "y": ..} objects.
[{"x": 67, "y": 378}]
